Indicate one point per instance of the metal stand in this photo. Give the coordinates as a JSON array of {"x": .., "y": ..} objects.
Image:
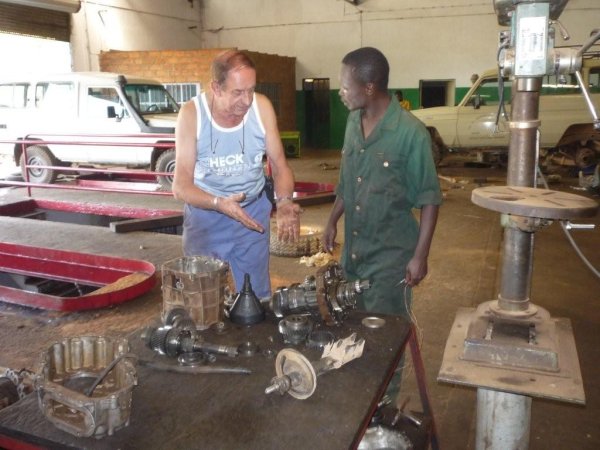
[
  {"x": 510, "y": 349},
  {"x": 415, "y": 354}
]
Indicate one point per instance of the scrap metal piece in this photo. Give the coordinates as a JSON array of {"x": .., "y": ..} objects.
[
  {"x": 319, "y": 339},
  {"x": 382, "y": 437},
  {"x": 327, "y": 295},
  {"x": 194, "y": 370},
  {"x": 69, "y": 368},
  {"x": 297, "y": 376},
  {"x": 180, "y": 318},
  {"x": 344, "y": 350},
  {"x": 373, "y": 322},
  {"x": 295, "y": 328},
  {"x": 248, "y": 348},
  {"x": 174, "y": 341}
]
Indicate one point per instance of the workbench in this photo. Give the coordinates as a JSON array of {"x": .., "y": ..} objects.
[{"x": 232, "y": 411}]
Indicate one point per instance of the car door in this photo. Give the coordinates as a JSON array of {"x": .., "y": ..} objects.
[
  {"x": 103, "y": 113},
  {"x": 477, "y": 117},
  {"x": 13, "y": 113}
]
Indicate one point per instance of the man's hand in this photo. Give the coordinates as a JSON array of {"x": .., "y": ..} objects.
[
  {"x": 231, "y": 207},
  {"x": 288, "y": 221},
  {"x": 416, "y": 269},
  {"x": 328, "y": 238}
]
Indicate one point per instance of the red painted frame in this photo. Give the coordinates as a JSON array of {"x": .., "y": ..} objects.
[
  {"x": 30, "y": 205},
  {"x": 95, "y": 270}
]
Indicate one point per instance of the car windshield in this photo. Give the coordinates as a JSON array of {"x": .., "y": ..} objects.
[{"x": 151, "y": 99}]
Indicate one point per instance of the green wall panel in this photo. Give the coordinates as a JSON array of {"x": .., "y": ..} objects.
[{"x": 339, "y": 113}]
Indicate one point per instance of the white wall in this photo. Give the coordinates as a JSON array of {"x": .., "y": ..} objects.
[{"x": 423, "y": 39}]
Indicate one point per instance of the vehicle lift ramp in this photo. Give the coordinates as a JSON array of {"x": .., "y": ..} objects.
[{"x": 116, "y": 280}]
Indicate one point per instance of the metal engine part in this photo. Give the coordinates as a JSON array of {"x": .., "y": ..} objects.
[
  {"x": 319, "y": 339},
  {"x": 174, "y": 341},
  {"x": 381, "y": 437},
  {"x": 297, "y": 376},
  {"x": 295, "y": 328},
  {"x": 69, "y": 368},
  {"x": 180, "y": 318},
  {"x": 327, "y": 294},
  {"x": 14, "y": 385},
  {"x": 8, "y": 392}
]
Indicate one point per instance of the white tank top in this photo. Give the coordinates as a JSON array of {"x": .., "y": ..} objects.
[{"x": 229, "y": 160}]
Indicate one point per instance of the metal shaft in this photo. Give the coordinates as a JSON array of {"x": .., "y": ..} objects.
[
  {"x": 522, "y": 161},
  {"x": 502, "y": 421}
]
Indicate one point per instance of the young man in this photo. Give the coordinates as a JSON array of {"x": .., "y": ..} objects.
[
  {"x": 222, "y": 136},
  {"x": 387, "y": 170}
]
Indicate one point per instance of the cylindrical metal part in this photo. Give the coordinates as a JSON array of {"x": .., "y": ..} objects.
[
  {"x": 522, "y": 147},
  {"x": 517, "y": 266},
  {"x": 503, "y": 420},
  {"x": 517, "y": 259}
]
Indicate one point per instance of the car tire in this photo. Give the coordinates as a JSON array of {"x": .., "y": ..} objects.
[
  {"x": 436, "y": 153},
  {"x": 166, "y": 163},
  {"x": 39, "y": 156},
  {"x": 585, "y": 156}
]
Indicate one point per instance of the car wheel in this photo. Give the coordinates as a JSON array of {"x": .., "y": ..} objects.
[
  {"x": 166, "y": 163},
  {"x": 436, "y": 152},
  {"x": 585, "y": 156},
  {"x": 39, "y": 156}
]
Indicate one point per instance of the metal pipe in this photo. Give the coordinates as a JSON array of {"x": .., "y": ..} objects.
[
  {"x": 586, "y": 96},
  {"x": 503, "y": 420},
  {"x": 591, "y": 41},
  {"x": 517, "y": 262},
  {"x": 523, "y": 136},
  {"x": 517, "y": 268}
]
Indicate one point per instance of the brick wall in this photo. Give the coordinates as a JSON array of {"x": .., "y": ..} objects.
[{"x": 193, "y": 66}]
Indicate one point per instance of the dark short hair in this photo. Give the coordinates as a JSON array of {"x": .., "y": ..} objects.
[
  {"x": 227, "y": 61},
  {"x": 369, "y": 65}
]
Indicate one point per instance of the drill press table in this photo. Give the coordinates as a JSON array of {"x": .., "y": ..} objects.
[{"x": 232, "y": 411}]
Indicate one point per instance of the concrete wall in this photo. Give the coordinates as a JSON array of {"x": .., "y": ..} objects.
[
  {"x": 425, "y": 39},
  {"x": 132, "y": 25}
]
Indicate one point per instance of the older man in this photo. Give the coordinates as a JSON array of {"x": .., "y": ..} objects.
[{"x": 222, "y": 136}]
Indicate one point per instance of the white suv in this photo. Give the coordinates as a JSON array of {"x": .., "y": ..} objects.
[
  {"x": 566, "y": 123},
  {"x": 79, "y": 106}
]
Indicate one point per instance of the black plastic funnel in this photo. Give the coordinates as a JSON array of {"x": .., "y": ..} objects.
[{"x": 246, "y": 309}]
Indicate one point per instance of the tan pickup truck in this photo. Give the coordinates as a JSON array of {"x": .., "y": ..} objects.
[{"x": 566, "y": 129}]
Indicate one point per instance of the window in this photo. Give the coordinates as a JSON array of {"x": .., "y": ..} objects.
[
  {"x": 150, "y": 99},
  {"x": 488, "y": 93},
  {"x": 13, "y": 95},
  {"x": 101, "y": 100},
  {"x": 56, "y": 96},
  {"x": 594, "y": 81},
  {"x": 182, "y": 92}
]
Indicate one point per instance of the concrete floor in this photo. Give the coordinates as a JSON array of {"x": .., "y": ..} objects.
[{"x": 463, "y": 264}]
